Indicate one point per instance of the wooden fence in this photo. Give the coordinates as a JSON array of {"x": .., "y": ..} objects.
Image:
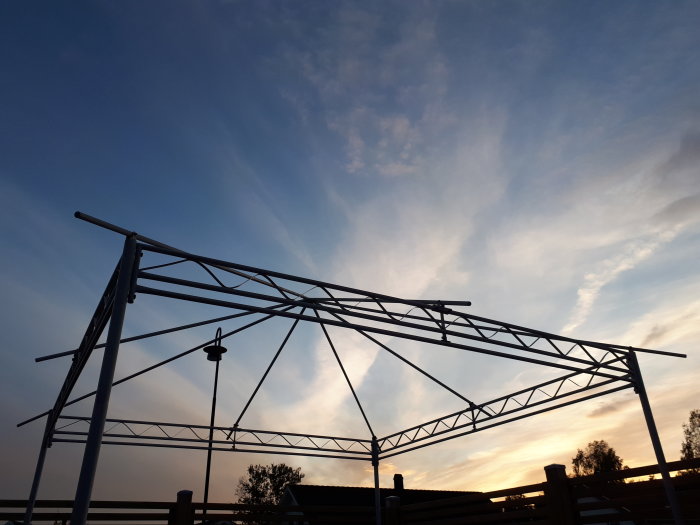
[
  {"x": 613, "y": 498},
  {"x": 618, "y": 498},
  {"x": 186, "y": 512}
]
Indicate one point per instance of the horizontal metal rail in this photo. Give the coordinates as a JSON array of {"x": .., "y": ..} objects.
[
  {"x": 221, "y": 449},
  {"x": 382, "y": 318},
  {"x": 172, "y": 433},
  {"x": 424, "y": 443},
  {"x": 219, "y": 263},
  {"x": 393, "y": 333},
  {"x": 204, "y": 442},
  {"x": 473, "y": 416},
  {"x": 479, "y": 413}
]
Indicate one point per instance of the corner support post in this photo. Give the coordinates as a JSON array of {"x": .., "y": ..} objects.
[
  {"x": 377, "y": 497},
  {"x": 127, "y": 268},
  {"x": 45, "y": 444},
  {"x": 640, "y": 390}
]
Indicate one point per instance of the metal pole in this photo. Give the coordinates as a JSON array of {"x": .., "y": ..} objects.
[
  {"x": 377, "y": 498},
  {"x": 654, "y": 435},
  {"x": 104, "y": 387},
  {"x": 211, "y": 440},
  {"x": 214, "y": 353},
  {"x": 45, "y": 443}
]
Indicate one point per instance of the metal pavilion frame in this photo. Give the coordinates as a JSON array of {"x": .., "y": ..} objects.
[{"x": 589, "y": 369}]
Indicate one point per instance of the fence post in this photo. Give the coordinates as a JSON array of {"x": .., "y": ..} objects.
[
  {"x": 183, "y": 512},
  {"x": 560, "y": 501},
  {"x": 393, "y": 510}
]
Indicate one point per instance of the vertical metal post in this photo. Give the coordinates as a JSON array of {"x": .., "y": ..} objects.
[
  {"x": 45, "y": 443},
  {"x": 214, "y": 353},
  {"x": 83, "y": 491},
  {"x": 654, "y": 435},
  {"x": 377, "y": 498},
  {"x": 211, "y": 440}
]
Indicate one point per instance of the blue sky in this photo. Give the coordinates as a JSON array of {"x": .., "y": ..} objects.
[{"x": 540, "y": 159}]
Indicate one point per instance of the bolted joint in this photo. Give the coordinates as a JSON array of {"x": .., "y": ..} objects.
[
  {"x": 375, "y": 452},
  {"x": 635, "y": 373},
  {"x": 134, "y": 274},
  {"x": 234, "y": 431}
]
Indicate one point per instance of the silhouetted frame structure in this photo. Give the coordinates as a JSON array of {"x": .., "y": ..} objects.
[{"x": 587, "y": 369}]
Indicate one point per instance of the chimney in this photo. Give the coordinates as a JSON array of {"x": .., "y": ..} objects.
[{"x": 398, "y": 482}]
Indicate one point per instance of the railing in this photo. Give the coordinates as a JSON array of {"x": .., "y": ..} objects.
[
  {"x": 621, "y": 496},
  {"x": 499, "y": 506},
  {"x": 186, "y": 512},
  {"x": 59, "y": 511},
  {"x": 611, "y": 498}
]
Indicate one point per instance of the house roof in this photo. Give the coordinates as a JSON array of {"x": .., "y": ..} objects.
[{"x": 360, "y": 496}]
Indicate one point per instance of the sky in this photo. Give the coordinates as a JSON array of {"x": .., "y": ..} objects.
[{"x": 540, "y": 159}]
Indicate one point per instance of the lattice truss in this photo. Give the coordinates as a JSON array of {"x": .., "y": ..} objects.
[{"x": 587, "y": 369}]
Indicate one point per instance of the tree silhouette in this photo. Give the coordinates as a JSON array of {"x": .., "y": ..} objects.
[
  {"x": 265, "y": 484},
  {"x": 690, "y": 448},
  {"x": 597, "y": 457}
]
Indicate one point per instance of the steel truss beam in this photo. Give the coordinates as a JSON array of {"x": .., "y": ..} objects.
[
  {"x": 177, "y": 435},
  {"x": 475, "y": 429},
  {"x": 517, "y": 405},
  {"x": 97, "y": 324}
]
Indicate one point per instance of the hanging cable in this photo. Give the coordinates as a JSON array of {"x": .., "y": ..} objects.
[
  {"x": 262, "y": 379},
  {"x": 342, "y": 368},
  {"x": 412, "y": 365}
]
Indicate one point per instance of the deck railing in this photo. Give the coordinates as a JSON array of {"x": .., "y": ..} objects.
[{"x": 627, "y": 497}]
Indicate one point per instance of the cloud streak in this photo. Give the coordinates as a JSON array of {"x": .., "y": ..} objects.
[{"x": 632, "y": 254}]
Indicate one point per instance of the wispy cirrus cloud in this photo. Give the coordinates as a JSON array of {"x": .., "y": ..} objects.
[
  {"x": 664, "y": 211},
  {"x": 380, "y": 84},
  {"x": 607, "y": 271}
]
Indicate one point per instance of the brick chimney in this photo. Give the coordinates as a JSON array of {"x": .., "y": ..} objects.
[{"x": 398, "y": 482}]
